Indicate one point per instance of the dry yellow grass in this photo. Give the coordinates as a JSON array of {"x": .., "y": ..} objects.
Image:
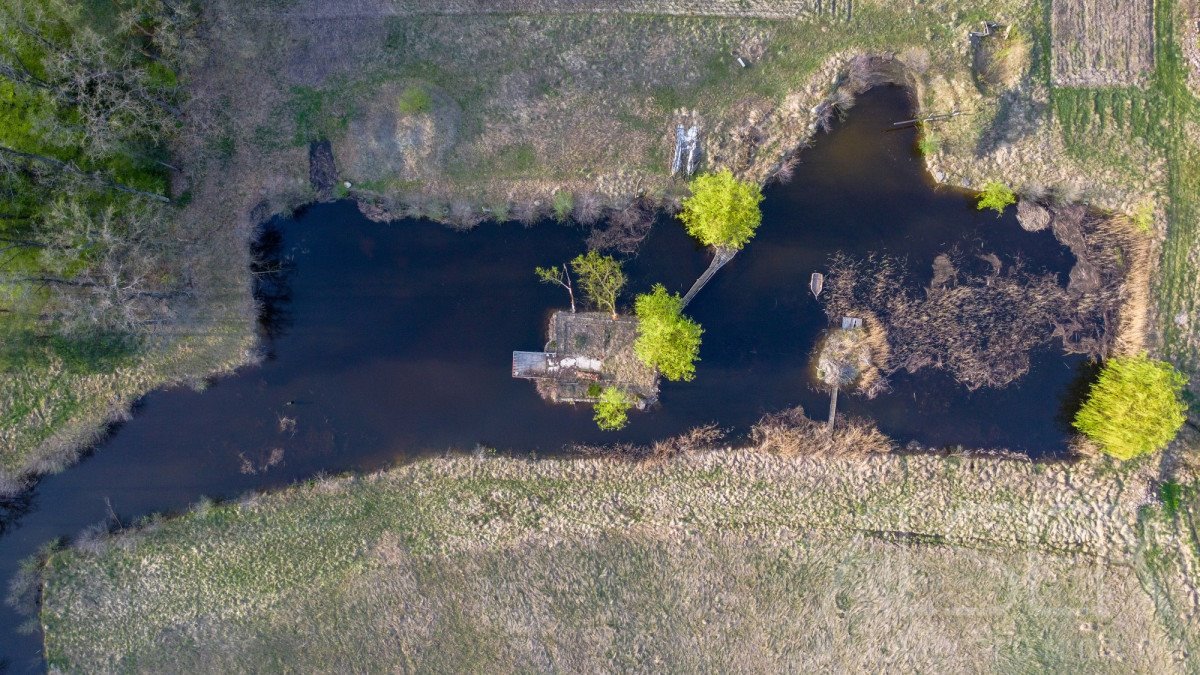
[
  {"x": 1102, "y": 43},
  {"x": 728, "y": 560}
]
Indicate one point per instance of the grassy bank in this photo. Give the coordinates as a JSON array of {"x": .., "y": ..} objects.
[
  {"x": 728, "y": 559},
  {"x": 460, "y": 115}
]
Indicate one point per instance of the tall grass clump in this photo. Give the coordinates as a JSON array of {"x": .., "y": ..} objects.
[
  {"x": 414, "y": 101},
  {"x": 564, "y": 203},
  {"x": 1134, "y": 408}
]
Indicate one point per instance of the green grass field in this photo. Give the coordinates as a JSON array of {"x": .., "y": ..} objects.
[{"x": 1099, "y": 125}]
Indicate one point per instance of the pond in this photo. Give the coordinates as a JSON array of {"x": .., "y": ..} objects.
[{"x": 392, "y": 341}]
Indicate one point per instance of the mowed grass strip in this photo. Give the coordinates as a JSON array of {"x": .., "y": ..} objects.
[{"x": 733, "y": 560}]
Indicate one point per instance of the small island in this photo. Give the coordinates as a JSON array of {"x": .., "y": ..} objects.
[{"x": 585, "y": 353}]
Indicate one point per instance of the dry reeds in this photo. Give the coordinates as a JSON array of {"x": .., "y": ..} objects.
[
  {"x": 698, "y": 439},
  {"x": 979, "y": 319},
  {"x": 1109, "y": 287},
  {"x": 998, "y": 61},
  {"x": 974, "y": 320},
  {"x": 792, "y": 433},
  {"x": 1031, "y": 216}
]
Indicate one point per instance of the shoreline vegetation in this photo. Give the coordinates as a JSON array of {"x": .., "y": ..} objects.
[
  {"x": 758, "y": 558},
  {"x": 441, "y": 112}
]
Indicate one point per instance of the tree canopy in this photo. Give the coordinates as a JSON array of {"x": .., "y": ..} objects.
[
  {"x": 667, "y": 340},
  {"x": 1134, "y": 408},
  {"x": 601, "y": 279},
  {"x": 88, "y": 104},
  {"x": 611, "y": 412},
  {"x": 722, "y": 210}
]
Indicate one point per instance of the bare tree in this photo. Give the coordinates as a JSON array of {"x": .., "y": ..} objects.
[
  {"x": 560, "y": 276},
  {"x": 102, "y": 268},
  {"x": 119, "y": 86}
]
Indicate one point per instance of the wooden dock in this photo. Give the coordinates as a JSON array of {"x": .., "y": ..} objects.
[{"x": 531, "y": 365}]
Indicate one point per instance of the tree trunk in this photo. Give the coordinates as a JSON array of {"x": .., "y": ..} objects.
[
  {"x": 71, "y": 168},
  {"x": 721, "y": 256}
]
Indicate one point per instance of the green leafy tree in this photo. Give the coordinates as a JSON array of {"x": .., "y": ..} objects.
[
  {"x": 667, "y": 340},
  {"x": 601, "y": 279},
  {"x": 611, "y": 412},
  {"x": 1134, "y": 408},
  {"x": 996, "y": 196},
  {"x": 722, "y": 211}
]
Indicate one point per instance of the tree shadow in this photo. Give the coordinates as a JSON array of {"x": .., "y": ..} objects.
[
  {"x": 272, "y": 268},
  {"x": 1086, "y": 374}
]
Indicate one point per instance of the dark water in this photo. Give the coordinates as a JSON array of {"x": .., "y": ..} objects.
[{"x": 390, "y": 341}]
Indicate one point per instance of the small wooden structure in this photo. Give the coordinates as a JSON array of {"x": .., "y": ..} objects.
[
  {"x": 686, "y": 145},
  {"x": 531, "y": 365},
  {"x": 816, "y": 283},
  {"x": 721, "y": 256},
  {"x": 851, "y": 322},
  {"x": 584, "y": 353},
  {"x": 988, "y": 28},
  {"x": 832, "y": 410}
]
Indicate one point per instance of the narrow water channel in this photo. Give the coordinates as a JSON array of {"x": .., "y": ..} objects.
[{"x": 393, "y": 341}]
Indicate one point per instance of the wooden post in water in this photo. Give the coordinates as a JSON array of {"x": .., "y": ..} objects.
[{"x": 832, "y": 410}]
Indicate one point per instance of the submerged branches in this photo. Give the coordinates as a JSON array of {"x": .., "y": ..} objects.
[
  {"x": 625, "y": 229},
  {"x": 979, "y": 318},
  {"x": 975, "y": 320}
]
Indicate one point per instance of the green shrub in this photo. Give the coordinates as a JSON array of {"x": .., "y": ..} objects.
[
  {"x": 996, "y": 196},
  {"x": 415, "y": 100},
  {"x": 1171, "y": 494},
  {"x": 612, "y": 409},
  {"x": 593, "y": 390},
  {"x": 1143, "y": 217},
  {"x": 722, "y": 210},
  {"x": 929, "y": 142},
  {"x": 667, "y": 340},
  {"x": 1134, "y": 408},
  {"x": 563, "y": 203}
]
